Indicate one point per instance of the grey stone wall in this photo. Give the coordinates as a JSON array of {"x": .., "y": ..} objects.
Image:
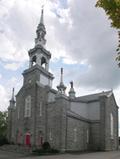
[
  {"x": 57, "y": 122},
  {"x": 41, "y": 117},
  {"x": 108, "y": 106},
  {"x": 94, "y": 144},
  {"x": 111, "y": 107},
  {"x": 26, "y": 124},
  {"x": 62, "y": 129},
  {"x": 81, "y": 134}
]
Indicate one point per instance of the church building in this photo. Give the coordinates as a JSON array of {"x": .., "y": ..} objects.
[{"x": 69, "y": 123}]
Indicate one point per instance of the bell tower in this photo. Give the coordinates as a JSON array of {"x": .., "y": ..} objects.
[{"x": 39, "y": 57}]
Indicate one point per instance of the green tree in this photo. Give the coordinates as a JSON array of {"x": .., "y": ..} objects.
[
  {"x": 118, "y": 50},
  {"x": 3, "y": 127},
  {"x": 112, "y": 9}
]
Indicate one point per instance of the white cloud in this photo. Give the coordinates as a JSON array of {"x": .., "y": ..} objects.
[
  {"x": 4, "y": 98},
  {"x": 6, "y": 91},
  {"x": 0, "y": 76},
  {"x": 76, "y": 34},
  {"x": 12, "y": 66}
]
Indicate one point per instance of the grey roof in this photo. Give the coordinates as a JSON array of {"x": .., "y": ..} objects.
[{"x": 92, "y": 97}]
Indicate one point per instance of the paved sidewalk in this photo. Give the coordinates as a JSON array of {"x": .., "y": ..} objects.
[
  {"x": 10, "y": 155},
  {"x": 95, "y": 155}
]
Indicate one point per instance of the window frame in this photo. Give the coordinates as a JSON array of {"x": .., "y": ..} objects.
[{"x": 27, "y": 106}]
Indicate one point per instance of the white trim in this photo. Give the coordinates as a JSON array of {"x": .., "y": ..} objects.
[{"x": 111, "y": 126}]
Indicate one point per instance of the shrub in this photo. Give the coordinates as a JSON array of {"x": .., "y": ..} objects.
[
  {"x": 46, "y": 146},
  {"x": 3, "y": 140}
]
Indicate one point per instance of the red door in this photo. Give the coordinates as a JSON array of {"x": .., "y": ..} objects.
[{"x": 27, "y": 139}]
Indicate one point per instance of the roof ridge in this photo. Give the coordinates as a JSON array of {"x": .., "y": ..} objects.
[{"x": 103, "y": 92}]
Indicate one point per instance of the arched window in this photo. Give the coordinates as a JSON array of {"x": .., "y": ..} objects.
[
  {"x": 40, "y": 109},
  {"x": 28, "y": 106},
  {"x": 87, "y": 134},
  {"x": 43, "y": 62},
  {"x": 50, "y": 135},
  {"x": 34, "y": 60},
  {"x": 111, "y": 126},
  {"x": 75, "y": 134},
  {"x": 18, "y": 112}
]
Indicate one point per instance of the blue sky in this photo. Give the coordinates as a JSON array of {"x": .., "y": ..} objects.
[{"x": 79, "y": 38}]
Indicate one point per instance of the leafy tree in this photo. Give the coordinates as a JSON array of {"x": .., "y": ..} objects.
[
  {"x": 112, "y": 9},
  {"x": 3, "y": 127},
  {"x": 118, "y": 50}
]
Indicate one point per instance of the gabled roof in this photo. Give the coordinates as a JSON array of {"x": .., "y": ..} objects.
[{"x": 92, "y": 97}]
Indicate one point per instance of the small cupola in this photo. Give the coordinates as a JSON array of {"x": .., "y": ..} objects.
[{"x": 72, "y": 91}]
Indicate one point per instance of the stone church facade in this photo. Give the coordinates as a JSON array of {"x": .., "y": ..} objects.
[{"x": 42, "y": 114}]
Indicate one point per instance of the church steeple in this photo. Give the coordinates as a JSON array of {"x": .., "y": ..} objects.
[
  {"x": 41, "y": 31},
  {"x": 61, "y": 87},
  {"x": 39, "y": 55},
  {"x": 39, "y": 58}
]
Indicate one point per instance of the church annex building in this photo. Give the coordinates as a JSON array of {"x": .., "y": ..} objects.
[{"x": 41, "y": 113}]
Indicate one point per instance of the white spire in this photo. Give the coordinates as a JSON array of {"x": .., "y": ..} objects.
[
  {"x": 42, "y": 15},
  {"x": 41, "y": 31},
  {"x": 61, "y": 77},
  {"x": 12, "y": 99},
  {"x": 61, "y": 87}
]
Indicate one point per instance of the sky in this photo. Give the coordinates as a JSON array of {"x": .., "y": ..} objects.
[{"x": 79, "y": 37}]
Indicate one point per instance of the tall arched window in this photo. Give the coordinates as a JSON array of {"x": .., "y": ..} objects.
[
  {"x": 111, "y": 126},
  {"x": 28, "y": 106},
  {"x": 40, "y": 109},
  {"x": 75, "y": 134},
  {"x": 87, "y": 134}
]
